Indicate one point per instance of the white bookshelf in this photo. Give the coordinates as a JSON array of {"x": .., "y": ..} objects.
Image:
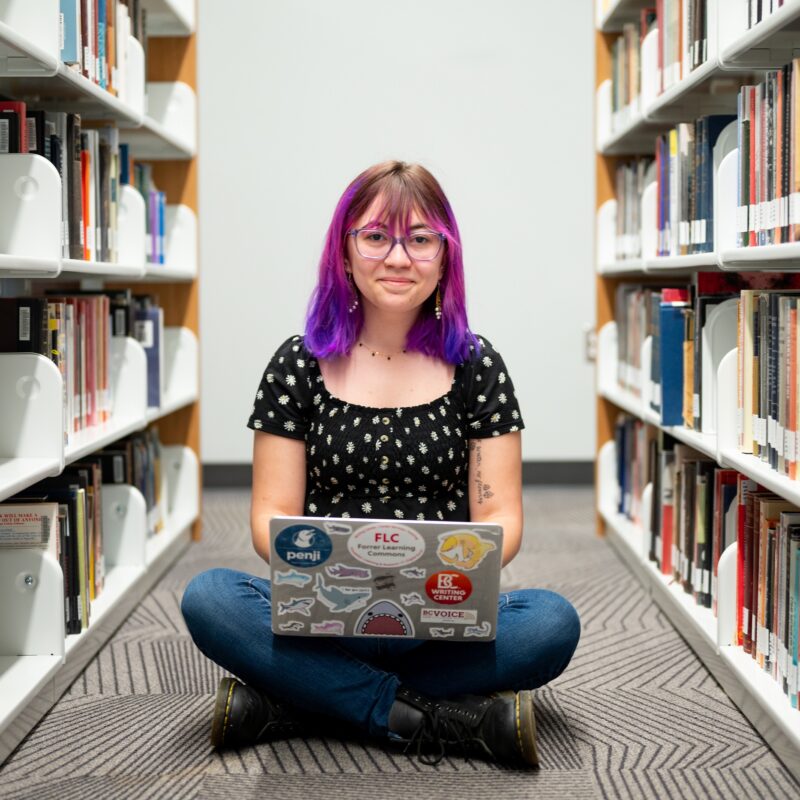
[
  {"x": 611, "y": 15},
  {"x": 754, "y": 692},
  {"x": 37, "y": 660}
]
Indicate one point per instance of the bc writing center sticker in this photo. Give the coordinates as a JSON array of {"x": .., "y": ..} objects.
[
  {"x": 448, "y": 587},
  {"x": 303, "y": 546},
  {"x": 386, "y": 545}
]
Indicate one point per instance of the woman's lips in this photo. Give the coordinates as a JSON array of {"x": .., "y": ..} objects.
[{"x": 396, "y": 281}]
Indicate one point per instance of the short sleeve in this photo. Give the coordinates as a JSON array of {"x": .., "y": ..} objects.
[
  {"x": 283, "y": 399},
  {"x": 492, "y": 407}
]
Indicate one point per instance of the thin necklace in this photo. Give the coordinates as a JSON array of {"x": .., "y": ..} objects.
[{"x": 374, "y": 353}]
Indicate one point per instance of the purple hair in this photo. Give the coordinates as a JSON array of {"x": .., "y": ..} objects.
[{"x": 331, "y": 330}]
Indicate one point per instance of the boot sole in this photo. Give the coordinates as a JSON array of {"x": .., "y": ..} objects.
[
  {"x": 222, "y": 705},
  {"x": 526, "y": 725}
]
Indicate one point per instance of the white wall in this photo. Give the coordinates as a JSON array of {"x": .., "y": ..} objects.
[{"x": 298, "y": 96}]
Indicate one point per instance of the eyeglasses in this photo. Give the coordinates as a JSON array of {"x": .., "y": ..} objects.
[{"x": 374, "y": 243}]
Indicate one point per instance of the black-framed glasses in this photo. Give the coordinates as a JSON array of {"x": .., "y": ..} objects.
[{"x": 374, "y": 243}]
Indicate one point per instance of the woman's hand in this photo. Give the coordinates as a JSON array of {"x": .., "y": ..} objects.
[
  {"x": 279, "y": 484},
  {"x": 495, "y": 486}
]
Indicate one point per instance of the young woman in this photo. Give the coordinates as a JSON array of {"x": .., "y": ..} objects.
[{"x": 388, "y": 407}]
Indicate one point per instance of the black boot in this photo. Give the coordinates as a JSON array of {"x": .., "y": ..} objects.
[
  {"x": 500, "y": 727},
  {"x": 245, "y": 716}
]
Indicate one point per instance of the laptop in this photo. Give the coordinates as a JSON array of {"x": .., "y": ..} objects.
[{"x": 371, "y": 577}]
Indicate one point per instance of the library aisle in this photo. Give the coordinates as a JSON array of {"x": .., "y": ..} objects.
[{"x": 635, "y": 715}]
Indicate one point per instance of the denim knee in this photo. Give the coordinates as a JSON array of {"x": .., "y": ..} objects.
[
  {"x": 202, "y": 596},
  {"x": 558, "y": 621}
]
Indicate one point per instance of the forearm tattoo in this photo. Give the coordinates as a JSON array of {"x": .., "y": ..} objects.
[{"x": 483, "y": 490}]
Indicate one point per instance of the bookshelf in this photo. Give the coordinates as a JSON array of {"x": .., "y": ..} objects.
[
  {"x": 157, "y": 118},
  {"x": 733, "y": 54}
]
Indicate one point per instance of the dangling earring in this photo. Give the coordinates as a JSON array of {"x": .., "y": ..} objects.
[
  {"x": 354, "y": 305},
  {"x": 438, "y": 310}
]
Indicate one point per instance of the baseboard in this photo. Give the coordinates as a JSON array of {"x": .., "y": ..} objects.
[{"x": 572, "y": 473}]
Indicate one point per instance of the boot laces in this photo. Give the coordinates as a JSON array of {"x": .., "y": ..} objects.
[{"x": 441, "y": 728}]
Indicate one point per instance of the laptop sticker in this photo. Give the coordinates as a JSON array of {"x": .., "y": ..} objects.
[
  {"x": 412, "y": 599},
  {"x": 453, "y": 615},
  {"x": 414, "y": 572},
  {"x": 442, "y": 633},
  {"x": 448, "y": 587},
  {"x": 384, "y": 581},
  {"x": 343, "y": 571},
  {"x": 297, "y": 605},
  {"x": 303, "y": 546},
  {"x": 295, "y": 625},
  {"x": 386, "y": 545},
  {"x": 291, "y": 578},
  {"x": 341, "y": 598},
  {"x": 334, "y": 626},
  {"x": 484, "y": 629},
  {"x": 384, "y": 618},
  {"x": 337, "y": 528},
  {"x": 464, "y": 550}
]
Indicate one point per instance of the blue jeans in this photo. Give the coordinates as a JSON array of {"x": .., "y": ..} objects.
[{"x": 228, "y": 614}]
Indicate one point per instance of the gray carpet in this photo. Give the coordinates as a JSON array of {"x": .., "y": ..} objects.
[{"x": 635, "y": 714}]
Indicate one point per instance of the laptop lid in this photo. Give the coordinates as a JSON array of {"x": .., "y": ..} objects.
[{"x": 371, "y": 577}]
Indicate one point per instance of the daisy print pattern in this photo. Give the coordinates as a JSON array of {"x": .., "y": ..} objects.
[{"x": 399, "y": 463}]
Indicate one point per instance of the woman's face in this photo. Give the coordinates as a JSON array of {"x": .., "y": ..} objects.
[{"x": 397, "y": 283}]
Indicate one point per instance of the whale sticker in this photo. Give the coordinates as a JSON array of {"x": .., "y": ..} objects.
[
  {"x": 332, "y": 626},
  {"x": 295, "y": 625},
  {"x": 414, "y": 572},
  {"x": 341, "y": 598},
  {"x": 297, "y": 605},
  {"x": 337, "y": 528},
  {"x": 344, "y": 571},
  {"x": 291, "y": 578},
  {"x": 442, "y": 633},
  {"x": 384, "y": 618}
]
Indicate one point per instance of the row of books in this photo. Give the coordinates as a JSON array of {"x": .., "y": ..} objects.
[
  {"x": 757, "y": 10},
  {"x": 677, "y": 317},
  {"x": 768, "y": 113},
  {"x": 92, "y": 164},
  {"x": 74, "y": 330},
  {"x": 94, "y": 39},
  {"x": 700, "y": 509},
  {"x": 682, "y": 45},
  {"x": 631, "y": 178},
  {"x": 64, "y": 515}
]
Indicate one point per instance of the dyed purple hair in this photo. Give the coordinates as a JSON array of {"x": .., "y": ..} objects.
[{"x": 330, "y": 329}]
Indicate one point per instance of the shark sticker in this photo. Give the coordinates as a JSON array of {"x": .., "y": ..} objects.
[
  {"x": 463, "y": 549},
  {"x": 291, "y": 578},
  {"x": 332, "y": 626},
  {"x": 297, "y": 605},
  {"x": 343, "y": 571},
  {"x": 295, "y": 625},
  {"x": 484, "y": 629},
  {"x": 337, "y": 528},
  {"x": 384, "y": 618},
  {"x": 303, "y": 546},
  {"x": 386, "y": 544},
  {"x": 412, "y": 599},
  {"x": 442, "y": 633},
  {"x": 384, "y": 581},
  {"x": 414, "y": 572},
  {"x": 341, "y": 598}
]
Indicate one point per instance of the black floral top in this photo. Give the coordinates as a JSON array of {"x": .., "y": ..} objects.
[{"x": 403, "y": 463}]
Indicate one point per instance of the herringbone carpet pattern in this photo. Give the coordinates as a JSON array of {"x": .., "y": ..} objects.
[{"x": 636, "y": 715}]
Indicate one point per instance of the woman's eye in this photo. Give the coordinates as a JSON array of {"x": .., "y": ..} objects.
[
  {"x": 421, "y": 238},
  {"x": 375, "y": 236}
]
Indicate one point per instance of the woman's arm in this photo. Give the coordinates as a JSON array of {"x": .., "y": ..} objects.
[
  {"x": 279, "y": 484},
  {"x": 495, "y": 486}
]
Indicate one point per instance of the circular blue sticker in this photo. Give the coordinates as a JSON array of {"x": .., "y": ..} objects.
[{"x": 303, "y": 546}]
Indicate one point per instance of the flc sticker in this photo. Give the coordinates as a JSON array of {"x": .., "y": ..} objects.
[
  {"x": 303, "y": 546},
  {"x": 386, "y": 545}
]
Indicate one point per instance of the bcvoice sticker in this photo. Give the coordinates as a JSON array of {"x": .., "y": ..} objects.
[
  {"x": 452, "y": 615},
  {"x": 386, "y": 545},
  {"x": 303, "y": 546}
]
